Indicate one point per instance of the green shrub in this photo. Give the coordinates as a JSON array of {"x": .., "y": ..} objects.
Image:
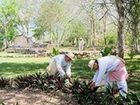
[
  {"x": 39, "y": 81},
  {"x": 1, "y": 40},
  {"x": 5, "y": 82},
  {"x": 80, "y": 90},
  {"x": 86, "y": 96},
  {"x": 55, "y": 52},
  {"x": 106, "y": 50},
  {"x": 33, "y": 81},
  {"x": 131, "y": 55}
]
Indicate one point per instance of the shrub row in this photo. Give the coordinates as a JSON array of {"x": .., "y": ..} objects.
[{"x": 79, "y": 90}]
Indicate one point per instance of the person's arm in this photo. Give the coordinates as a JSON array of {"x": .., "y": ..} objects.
[
  {"x": 68, "y": 73},
  {"x": 95, "y": 76},
  {"x": 68, "y": 70},
  {"x": 101, "y": 72},
  {"x": 92, "y": 83}
]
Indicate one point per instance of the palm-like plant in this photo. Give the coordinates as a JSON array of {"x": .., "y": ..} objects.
[{"x": 5, "y": 82}]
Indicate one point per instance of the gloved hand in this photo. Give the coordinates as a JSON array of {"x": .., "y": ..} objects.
[{"x": 67, "y": 83}]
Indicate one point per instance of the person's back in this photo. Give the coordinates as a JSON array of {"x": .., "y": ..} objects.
[
  {"x": 60, "y": 64},
  {"x": 109, "y": 62},
  {"x": 59, "y": 57},
  {"x": 60, "y": 60},
  {"x": 57, "y": 62}
]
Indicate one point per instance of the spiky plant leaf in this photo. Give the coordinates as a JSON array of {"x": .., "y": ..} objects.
[{"x": 5, "y": 82}]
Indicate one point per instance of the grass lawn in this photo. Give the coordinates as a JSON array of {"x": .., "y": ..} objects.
[{"x": 11, "y": 67}]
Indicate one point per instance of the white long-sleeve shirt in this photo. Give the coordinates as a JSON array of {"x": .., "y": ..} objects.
[
  {"x": 106, "y": 64},
  {"x": 62, "y": 66}
]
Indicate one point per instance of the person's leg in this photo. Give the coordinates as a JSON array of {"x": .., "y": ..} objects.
[
  {"x": 82, "y": 47},
  {"x": 122, "y": 86}
]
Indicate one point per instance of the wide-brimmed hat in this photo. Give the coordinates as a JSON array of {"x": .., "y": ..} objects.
[
  {"x": 91, "y": 63},
  {"x": 70, "y": 55}
]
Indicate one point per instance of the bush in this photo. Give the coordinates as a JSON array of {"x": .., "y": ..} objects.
[
  {"x": 5, "y": 82},
  {"x": 131, "y": 54},
  {"x": 55, "y": 52},
  {"x": 39, "y": 81},
  {"x": 86, "y": 96},
  {"x": 1, "y": 41},
  {"x": 33, "y": 81},
  {"x": 80, "y": 90},
  {"x": 107, "y": 50}
]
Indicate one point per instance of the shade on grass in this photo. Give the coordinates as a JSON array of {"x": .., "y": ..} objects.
[
  {"x": 12, "y": 67},
  {"x": 15, "y": 69}
]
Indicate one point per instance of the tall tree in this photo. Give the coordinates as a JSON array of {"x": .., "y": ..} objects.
[
  {"x": 8, "y": 19},
  {"x": 76, "y": 30},
  {"x": 134, "y": 21},
  {"x": 120, "y": 4},
  {"x": 26, "y": 15},
  {"x": 88, "y": 7},
  {"x": 53, "y": 18}
]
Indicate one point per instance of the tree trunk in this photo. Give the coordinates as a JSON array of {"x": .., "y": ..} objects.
[
  {"x": 5, "y": 44},
  {"x": 120, "y": 31},
  {"x": 104, "y": 30},
  {"x": 135, "y": 47},
  {"x": 92, "y": 32}
]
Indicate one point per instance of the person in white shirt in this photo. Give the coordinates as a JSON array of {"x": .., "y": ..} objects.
[
  {"x": 61, "y": 65},
  {"x": 81, "y": 44},
  {"x": 113, "y": 69}
]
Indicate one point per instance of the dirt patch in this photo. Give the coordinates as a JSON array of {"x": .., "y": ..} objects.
[{"x": 35, "y": 97}]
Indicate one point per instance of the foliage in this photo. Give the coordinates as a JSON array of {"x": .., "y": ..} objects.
[
  {"x": 80, "y": 89},
  {"x": 131, "y": 54},
  {"x": 134, "y": 12},
  {"x": 106, "y": 50},
  {"x": 76, "y": 30},
  {"x": 86, "y": 96},
  {"x": 110, "y": 42},
  {"x": 39, "y": 81},
  {"x": 1, "y": 40},
  {"x": 5, "y": 82},
  {"x": 12, "y": 67},
  {"x": 32, "y": 81},
  {"x": 128, "y": 40},
  {"x": 53, "y": 19},
  {"x": 111, "y": 39},
  {"x": 38, "y": 32},
  {"x": 55, "y": 51},
  {"x": 26, "y": 14},
  {"x": 133, "y": 19},
  {"x": 9, "y": 18}
]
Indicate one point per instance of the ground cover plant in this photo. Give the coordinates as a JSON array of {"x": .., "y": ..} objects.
[{"x": 79, "y": 90}]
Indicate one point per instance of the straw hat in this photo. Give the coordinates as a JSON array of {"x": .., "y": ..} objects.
[
  {"x": 70, "y": 55},
  {"x": 91, "y": 63}
]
